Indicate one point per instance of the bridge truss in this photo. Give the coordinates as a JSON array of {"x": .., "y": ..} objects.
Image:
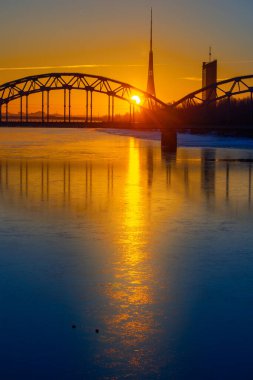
[
  {"x": 45, "y": 83},
  {"x": 217, "y": 92}
]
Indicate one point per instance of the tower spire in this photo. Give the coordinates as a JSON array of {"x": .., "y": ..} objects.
[
  {"x": 151, "y": 82},
  {"x": 151, "y": 31}
]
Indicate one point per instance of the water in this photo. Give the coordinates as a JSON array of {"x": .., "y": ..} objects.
[{"x": 105, "y": 232}]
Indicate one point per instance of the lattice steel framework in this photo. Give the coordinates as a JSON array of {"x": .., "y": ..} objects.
[
  {"x": 44, "y": 83},
  {"x": 217, "y": 92}
]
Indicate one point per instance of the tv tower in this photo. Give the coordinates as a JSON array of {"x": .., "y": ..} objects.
[{"x": 151, "y": 82}]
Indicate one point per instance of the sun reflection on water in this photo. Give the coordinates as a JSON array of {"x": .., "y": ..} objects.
[
  {"x": 131, "y": 297},
  {"x": 127, "y": 199}
]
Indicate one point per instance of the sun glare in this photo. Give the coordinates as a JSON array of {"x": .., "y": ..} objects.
[{"x": 136, "y": 99}]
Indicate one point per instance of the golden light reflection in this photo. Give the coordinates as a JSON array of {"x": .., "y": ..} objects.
[
  {"x": 112, "y": 189},
  {"x": 131, "y": 293}
]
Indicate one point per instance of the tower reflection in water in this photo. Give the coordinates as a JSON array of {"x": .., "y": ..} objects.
[
  {"x": 76, "y": 183},
  {"x": 132, "y": 200}
]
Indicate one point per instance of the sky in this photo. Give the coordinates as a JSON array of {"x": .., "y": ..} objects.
[{"x": 111, "y": 38}]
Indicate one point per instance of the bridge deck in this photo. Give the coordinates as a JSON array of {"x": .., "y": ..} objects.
[
  {"x": 83, "y": 124},
  {"x": 203, "y": 128}
]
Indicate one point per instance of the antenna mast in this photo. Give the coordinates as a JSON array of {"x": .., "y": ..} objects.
[
  {"x": 151, "y": 82},
  {"x": 151, "y": 31}
]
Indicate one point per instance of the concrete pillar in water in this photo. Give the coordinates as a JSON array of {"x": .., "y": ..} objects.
[{"x": 169, "y": 140}]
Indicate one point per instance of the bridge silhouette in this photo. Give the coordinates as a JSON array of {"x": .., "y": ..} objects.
[
  {"x": 67, "y": 82},
  {"x": 45, "y": 83},
  {"x": 218, "y": 91},
  {"x": 189, "y": 113}
]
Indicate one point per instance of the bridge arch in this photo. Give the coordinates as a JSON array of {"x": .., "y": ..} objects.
[
  {"x": 44, "y": 83},
  {"x": 218, "y": 91}
]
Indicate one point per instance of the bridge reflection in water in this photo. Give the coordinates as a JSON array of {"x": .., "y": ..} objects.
[
  {"x": 131, "y": 201},
  {"x": 84, "y": 185}
]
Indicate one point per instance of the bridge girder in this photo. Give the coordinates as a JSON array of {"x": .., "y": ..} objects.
[
  {"x": 75, "y": 81},
  {"x": 222, "y": 90}
]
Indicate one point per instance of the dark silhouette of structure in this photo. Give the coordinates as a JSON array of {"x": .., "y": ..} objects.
[
  {"x": 223, "y": 90},
  {"x": 209, "y": 76},
  {"x": 66, "y": 82},
  {"x": 151, "y": 82}
]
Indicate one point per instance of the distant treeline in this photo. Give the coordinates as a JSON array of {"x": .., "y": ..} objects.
[
  {"x": 228, "y": 111},
  {"x": 225, "y": 112}
]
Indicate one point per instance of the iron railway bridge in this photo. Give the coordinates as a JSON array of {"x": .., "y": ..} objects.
[
  {"x": 222, "y": 90},
  {"x": 168, "y": 118},
  {"x": 44, "y": 84}
]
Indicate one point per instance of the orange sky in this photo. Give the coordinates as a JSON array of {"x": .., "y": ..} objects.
[{"x": 111, "y": 38}]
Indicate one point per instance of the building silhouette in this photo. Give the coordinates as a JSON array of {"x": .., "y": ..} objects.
[
  {"x": 209, "y": 76},
  {"x": 151, "y": 82}
]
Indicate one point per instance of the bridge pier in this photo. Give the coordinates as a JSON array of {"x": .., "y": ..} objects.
[
  {"x": 69, "y": 105},
  {"x": 110, "y": 108},
  {"x": 21, "y": 109},
  {"x": 65, "y": 105},
  {"x": 27, "y": 111},
  {"x": 169, "y": 140},
  {"x": 131, "y": 113},
  {"x": 87, "y": 106},
  {"x": 42, "y": 106},
  {"x": 48, "y": 105},
  {"x": 91, "y": 106}
]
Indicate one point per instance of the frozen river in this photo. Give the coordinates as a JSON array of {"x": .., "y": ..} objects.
[{"x": 119, "y": 261}]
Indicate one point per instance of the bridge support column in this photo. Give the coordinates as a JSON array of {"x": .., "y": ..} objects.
[
  {"x": 64, "y": 105},
  {"x": 109, "y": 108},
  {"x": 69, "y": 106},
  {"x": 87, "y": 107},
  {"x": 42, "y": 106},
  {"x": 47, "y": 106},
  {"x": 91, "y": 107},
  {"x": 169, "y": 140},
  {"x": 112, "y": 108},
  {"x": 132, "y": 113},
  {"x": 21, "y": 109},
  {"x": 26, "y": 113}
]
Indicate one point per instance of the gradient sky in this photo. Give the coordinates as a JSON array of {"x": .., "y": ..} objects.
[{"x": 113, "y": 35}]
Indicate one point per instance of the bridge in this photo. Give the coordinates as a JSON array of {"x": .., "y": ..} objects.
[
  {"x": 44, "y": 84},
  {"x": 195, "y": 112},
  {"x": 226, "y": 104},
  {"x": 216, "y": 92},
  {"x": 23, "y": 88}
]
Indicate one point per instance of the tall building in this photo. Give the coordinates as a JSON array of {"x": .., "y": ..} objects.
[
  {"x": 209, "y": 76},
  {"x": 151, "y": 82}
]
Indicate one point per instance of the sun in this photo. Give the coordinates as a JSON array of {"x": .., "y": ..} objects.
[{"x": 136, "y": 99}]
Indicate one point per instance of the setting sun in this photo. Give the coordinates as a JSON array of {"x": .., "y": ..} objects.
[{"x": 136, "y": 99}]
